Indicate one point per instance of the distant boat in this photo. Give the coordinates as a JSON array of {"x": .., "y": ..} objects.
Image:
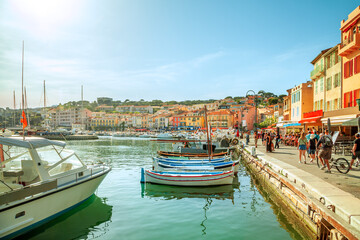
[
  {"x": 166, "y": 136},
  {"x": 188, "y": 178}
]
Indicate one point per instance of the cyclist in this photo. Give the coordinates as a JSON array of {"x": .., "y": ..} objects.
[
  {"x": 325, "y": 152},
  {"x": 355, "y": 150}
]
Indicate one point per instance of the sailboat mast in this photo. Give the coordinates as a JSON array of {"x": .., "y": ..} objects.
[
  {"x": 22, "y": 86},
  {"x": 207, "y": 134},
  {"x": 44, "y": 97},
  {"x": 22, "y": 79},
  {"x": 82, "y": 107},
  {"x": 26, "y": 108},
  {"x": 14, "y": 110}
]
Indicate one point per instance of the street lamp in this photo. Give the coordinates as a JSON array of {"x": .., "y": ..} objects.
[{"x": 254, "y": 94}]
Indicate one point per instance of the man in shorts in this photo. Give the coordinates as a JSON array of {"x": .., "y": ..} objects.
[
  {"x": 355, "y": 150},
  {"x": 326, "y": 144}
]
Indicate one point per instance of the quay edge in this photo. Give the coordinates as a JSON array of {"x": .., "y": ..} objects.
[{"x": 319, "y": 216}]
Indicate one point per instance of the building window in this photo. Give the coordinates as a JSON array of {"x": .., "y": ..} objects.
[
  {"x": 321, "y": 104},
  {"x": 357, "y": 65},
  {"x": 321, "y": 84},
  {"x": 328, "y": 106},
  {"x": 328, "y": 83},
  {"x": 347, "y": 99},
  {"x": 337, "y": 80},
  {"x": 336, "y": 104},
  {"x": 297, "y": 111},
  {"x": 336, "y": 56},
  {"x": 316, "y": 87},
  {"x": 348, "y": 69}
]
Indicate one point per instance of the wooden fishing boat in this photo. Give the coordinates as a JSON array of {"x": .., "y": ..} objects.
[
  {"x": 194, "y": 160},
  {"x": 160, "y": 165},
  {"x": 203, "y": 178},
  {"x": 162, "y": 153}
]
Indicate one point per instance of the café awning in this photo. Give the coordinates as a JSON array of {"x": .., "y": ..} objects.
[
  {"x": 292, "y": 125},
  {"x": 311, "y": 120},
  {"x": 351, "y": 123},
  {"x": 338, "y": 120}
]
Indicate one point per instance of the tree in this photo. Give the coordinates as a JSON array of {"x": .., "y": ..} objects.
[
  {"x": 273, "y": 101},
  {"x": 268, "y": 121}
]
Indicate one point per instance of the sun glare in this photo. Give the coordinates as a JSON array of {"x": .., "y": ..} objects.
[{"x": 46, "y": 14}]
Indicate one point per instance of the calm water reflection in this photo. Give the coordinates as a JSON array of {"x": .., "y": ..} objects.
[{"x": 125, "y": 209}]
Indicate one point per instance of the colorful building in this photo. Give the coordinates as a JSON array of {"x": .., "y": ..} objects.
[
  {"x": 332, "y": 88},
  {"x": 301, "y": 100},
  {"x": 349, "y": 50},
  {"x": 318, "y": 77},
  {"x": 221, "y": 119}
]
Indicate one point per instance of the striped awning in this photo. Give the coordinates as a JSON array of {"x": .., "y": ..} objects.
[{"x": 338, "y": 120}]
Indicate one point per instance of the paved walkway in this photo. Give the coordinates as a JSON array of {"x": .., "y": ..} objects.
[{"x": 349, "y": 182}]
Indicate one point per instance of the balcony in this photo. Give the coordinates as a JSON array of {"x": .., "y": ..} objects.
[
  {"x": 317, "y": 72},
  {"x": 349, "y": 45}
]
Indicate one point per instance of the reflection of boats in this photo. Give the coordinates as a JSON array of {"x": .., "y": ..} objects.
[
  {"x": 174, "y": 192},
  {"x": 78, "y": 222},
  {"x": 39, "y": 180},
  {"x": 186, "y": 178}
]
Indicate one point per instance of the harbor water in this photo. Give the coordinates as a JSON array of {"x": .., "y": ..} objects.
[{"x": 123, "y": 208}]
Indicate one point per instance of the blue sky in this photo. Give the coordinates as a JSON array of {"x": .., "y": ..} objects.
[{"x": 161, "y": 49}]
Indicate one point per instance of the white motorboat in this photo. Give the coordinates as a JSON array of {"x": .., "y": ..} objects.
[{"x": 39, "y": 180}]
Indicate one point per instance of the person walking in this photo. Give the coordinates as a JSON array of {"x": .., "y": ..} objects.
[
  {"x": 355, "y": 150},
  {"x": 277, "y": 140},
  {"x": 308, "y": 139},
  {"x": 247, "y": 138},
  {"x": 302, "y": 146},
  {"x": 326, "y": 144},
  {"x": 312, "y": 146},
  {"x": 256, "y": 138}
]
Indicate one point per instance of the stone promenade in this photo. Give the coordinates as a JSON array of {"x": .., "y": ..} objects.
[{"x": 349, "y": 182}]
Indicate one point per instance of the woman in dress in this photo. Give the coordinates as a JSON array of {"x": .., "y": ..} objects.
[{"x": 302, "y": 146}]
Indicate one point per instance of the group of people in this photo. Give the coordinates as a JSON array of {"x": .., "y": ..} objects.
[
  {"x": 271, "y": 140},
  {"x": 312, "y": 142},
  {"x": 309, "y": 144}
]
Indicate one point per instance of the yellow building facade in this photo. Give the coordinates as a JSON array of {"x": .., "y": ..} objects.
[{"x": 332, "y": 86}]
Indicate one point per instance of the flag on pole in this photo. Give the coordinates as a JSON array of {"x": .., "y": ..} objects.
[
  {"x": 2, "y": 158},
  {"x": 23, "y": 119}
]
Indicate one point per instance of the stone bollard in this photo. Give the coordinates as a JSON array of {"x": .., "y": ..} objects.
[{"x": 253, "y": 151}]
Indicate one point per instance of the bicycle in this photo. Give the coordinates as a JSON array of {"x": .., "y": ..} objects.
[{"x": 341, "y": 164}]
